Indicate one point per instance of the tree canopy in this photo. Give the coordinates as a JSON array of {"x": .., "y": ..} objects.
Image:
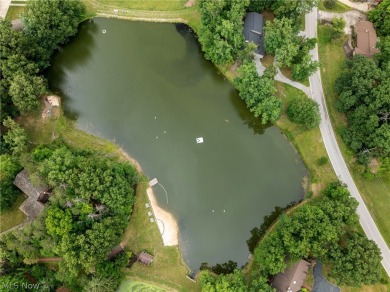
[
  {"x": 380, "y": 17},
  {"x": 305, "y": 111},
  {"x": 220, "y": 31}
]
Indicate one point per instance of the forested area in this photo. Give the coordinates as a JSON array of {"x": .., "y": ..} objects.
[
  {"x": 86, "y": 216},
  {"x": 221, "y": 37},
  {"x": 363, "y": 88},
  {"x": 326, "y": 229}
]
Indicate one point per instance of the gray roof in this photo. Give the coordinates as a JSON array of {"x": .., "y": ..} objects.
[
  {"x": 145, "y": 258},
  {"x": 292, "y": 278},
  {"x": 17, "y": 24},
  {"x": 254, "y": 30},
  {"x": 31, "y": 207}
]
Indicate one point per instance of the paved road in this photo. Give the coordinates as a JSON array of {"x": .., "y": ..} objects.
[
  {"x": 334, "y": 152},
  {"x": 4, "y": 4}
]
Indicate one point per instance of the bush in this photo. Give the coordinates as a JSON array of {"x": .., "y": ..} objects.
[
  {"x": 330, "y": 4},
  {"x": 304, "y": 111},
  {"x": 322, "y": 161},
  {"x": 338, "y": 24}
]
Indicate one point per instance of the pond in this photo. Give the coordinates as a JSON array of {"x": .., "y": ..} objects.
[{"x": 147, "y": 87}]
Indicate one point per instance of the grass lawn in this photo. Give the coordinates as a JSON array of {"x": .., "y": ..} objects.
[
  {"x": 13, "y": 216},
  {"x": 136, "y": 286},
  {"x": 150, "y": 10},
  {"x": 13, "y": 12},
  {"x": 376, "y": 192},
  {"x": 167, "y": 270},
  {"x": 339, "y": 7},
  {"x": 308, "y": 143},
  {"x": 288, "y": 73}
]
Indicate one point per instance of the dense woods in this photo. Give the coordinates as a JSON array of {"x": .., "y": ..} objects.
[{"x": 86, "y": 215}]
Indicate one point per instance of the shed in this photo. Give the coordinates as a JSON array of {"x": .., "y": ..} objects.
[
  {"x": 17, "y": 24},
  {"x": 254, "y": 30},
  {"x": 37, "y": 194},
  {"x": 115, "y": 251},
  {"x": 365, "y": 39},
  {"x": 292, "y": 279},
  {"x": 145, "y": 258}
]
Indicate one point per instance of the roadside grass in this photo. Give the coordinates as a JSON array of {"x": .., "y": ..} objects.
[
  {"x": 13, "y": 216},
  {"x": 375, "y": 192},
  {"x": 339, "y": 7},
  {"x": 308, "y": 142},
  {"x": 14, "y": 12},
  {"x": 167, "y": 269}
]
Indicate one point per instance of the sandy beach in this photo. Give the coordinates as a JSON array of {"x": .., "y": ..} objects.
[{"x": 165, "y": 221}]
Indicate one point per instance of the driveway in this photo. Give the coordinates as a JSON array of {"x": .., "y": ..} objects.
[
  {"x": 334, "y": 153},
  {"x": 320, "y": 283},
  {"x": 351, "y": 17}
]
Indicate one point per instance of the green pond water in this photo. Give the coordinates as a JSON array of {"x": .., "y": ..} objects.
[{"x": 147, "y": 87}]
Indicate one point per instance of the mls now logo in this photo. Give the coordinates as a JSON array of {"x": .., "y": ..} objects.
[{"x": 24, "y": 286}]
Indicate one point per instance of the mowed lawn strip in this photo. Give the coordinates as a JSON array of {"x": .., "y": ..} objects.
[{"x": 375, "y": 192}]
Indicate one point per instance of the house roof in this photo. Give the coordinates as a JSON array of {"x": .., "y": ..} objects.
[
  {"x": 365, "y": 38},
  {"x": 115, "y": 251},
  {"x": 24, "y": 183},
  {"x": 17, "y": 24},
  {"x": 145, "y": 258},
  {"x": 292, "y": 279},
  {"x": 254, "y": 30}
]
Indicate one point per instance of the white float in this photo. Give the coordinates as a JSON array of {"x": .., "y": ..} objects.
[{"x": 199, "y": 140}]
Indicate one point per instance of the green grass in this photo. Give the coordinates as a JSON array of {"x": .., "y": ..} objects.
[
  {"x": 149, "y": 10},
  {"x": 340, "y": 7},
  {"x": 308, "y": 143},
  {"x": 136, "y": 286},
  {"x": 376, "y": 192},
  {"x": 167, "y": 270},
  {"x": 13, "y": 216},
  {"x": 14, "y": 12}
]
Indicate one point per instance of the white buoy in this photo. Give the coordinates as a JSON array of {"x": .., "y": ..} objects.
[
  {"x": 155, "y": 117},
  {"x": 104, "y": 31},
  {"x": 199, "y": 140},
  {"x": 224, "y": 211},
  {"x": 165, "y": 132},
  {"x": 212, "y": 210},
  {"x": 156, "y": 137}
]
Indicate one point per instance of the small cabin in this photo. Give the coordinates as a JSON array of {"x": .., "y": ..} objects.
[
  {"x": 37, "y": 194},
  {"x": 365, "y": 39},
  {"x": 145, "y": 258},
  {"x": 254, "y": 30},
  {"x": 293, "y": 278}
]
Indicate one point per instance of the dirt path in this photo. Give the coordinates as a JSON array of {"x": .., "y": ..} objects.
[{"x": 190, "y": 3}]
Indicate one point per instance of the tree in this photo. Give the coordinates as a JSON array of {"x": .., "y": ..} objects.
[
  {"x": 258, "y": 92},
  {"x": 338, "y": 24},
  {"x": 380, "y": 17},
  {"x": 233, "y": 282},
  {"x": 330, "y": 4},
  {"x": 16, "y": 137},
  {"x": 220, "y": 31},
  {"x": 100, "y": 284},
  {"x": 58, "y": 222},
  {"x": 356, "y": 262},
  {"x": 8, "y": 170},
  {"x": 292, "y": 9},
  {"x": 301, "y": 71},
  {"x": 384, "y": 55},
  {"x": 304, "y": 111},
  {"x": 280, "y": 40},
  {"x": 60, "y": 21}
]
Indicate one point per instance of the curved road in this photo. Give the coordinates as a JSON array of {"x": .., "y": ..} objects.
[{"x": 334, "y": 152}]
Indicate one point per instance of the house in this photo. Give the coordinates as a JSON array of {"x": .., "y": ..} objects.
[
  {"x": 145, "y": 258},
  {"x": 292, "y": 279},
  {"x": 37, "y": 194},
  {"x": 17, "y": 24},
  {"x": 254, "y": 30},
  {"x": 365, "y": 39}
]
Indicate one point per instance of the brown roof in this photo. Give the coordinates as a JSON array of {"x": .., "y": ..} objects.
[
  {"x": 366, "y": 39},
  {"x": 292, "y": 278},
  {"x": 115, "y": 251},
  {"x": 145, "y": 258}
]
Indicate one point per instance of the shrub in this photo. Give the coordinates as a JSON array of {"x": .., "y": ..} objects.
[{"x": 304, "y": 111}]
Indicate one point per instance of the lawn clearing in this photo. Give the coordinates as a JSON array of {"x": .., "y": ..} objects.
[
  {"x": 136, "y": 286},
  {"x": 14, "y": 12},
  {"x": 339, "y": 7},
  {"x": 308, "y": 143},
  {"x": 376, "y": 192},
  {"x": 13, "y": 216}
]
